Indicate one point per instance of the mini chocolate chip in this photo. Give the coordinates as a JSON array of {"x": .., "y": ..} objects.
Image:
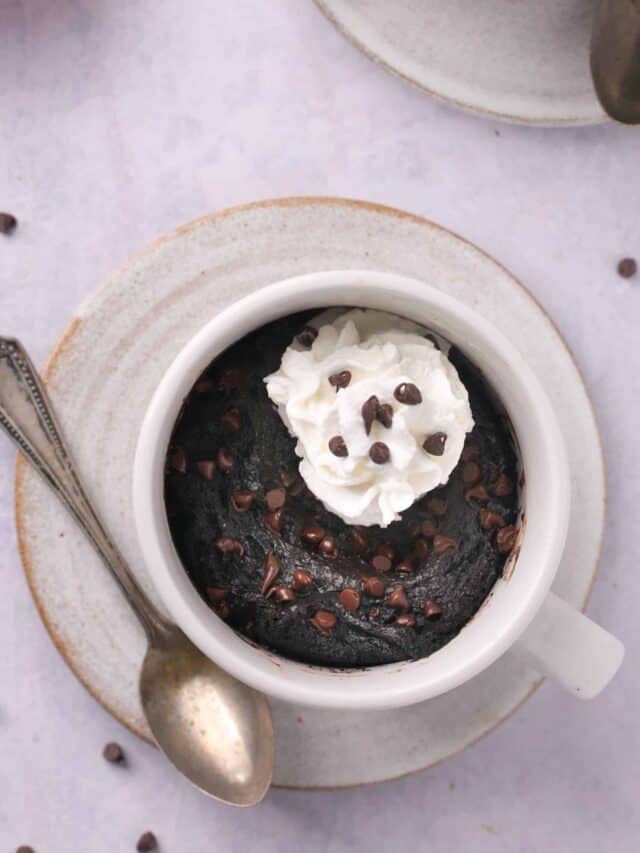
[
  {"x": 432, "y": 611},
  {"x": 381, "y": 563},
  {"x": 469, "y": 452},
  {"x": 384, "y": 415},
  {"x": 24, "y": 848},
  {"x": 471, "y": 473},
  {"x": 228, "y": 545},
  {"x": 301, "y": 579},
  {"x": 341, "y": 379},
  {"x": 207, "y": 468},
  {"x": 443, "y": 543},
  {"x": 223, "y": 610},
  {"x": 179, "y": 460},
  {"x": 324, "y": 621},
  {"x": 406, "y": 620},
  {"x": 231, "y": 420},
  {"x": 408, "y": 393},
  {"x": 386, "y": 549},
  {"x": 503, "y": 486},
  {"x": 231, "y": 378},
  {"x": 627, "y": 267},
  {"x": 435, "y": 443},
  {"x": 421, "y": 548},
  {"x": 242, "y": 499},
  {"x": 7, "y": 223},
  {"x": 113, "y": 753},
  {"x": 216, "y": 594},
  {"x": 374, "y": 587},
  {"x": 203, "y": 386},
  {"x": 225, "y": 460},
  {"x": 397, "y": 599},
  {"x": 337, "y": 446},
  {"x": 428, "y": 528},
  {"x": 146, "y": 842},
  {"x": 506, "y": 539},
  {"x": 369, "y": 411},
  {"x": 437, "y": 507},
  {"x": 306, "y": 336},
  {"x": 405, "y": 566},
  {"x": 313, "y": 534},
  {"x": 349, "y": 599},
  {"x": 359, "y": 542},
  {"x": 379, "y": 453},
  {"x": 490, "y": 519},
  {"x": 282, "y": 593},
  {"x": 328, "y": 547},
  {"x": 275, "y": 498},
  {"x": 433, "y": 340},
  {"x": 274, "y": 520},
  {"x": 477, "y": 493},
  {"x": 288, "y": 478},
  {"x": 271, "y": 571}
]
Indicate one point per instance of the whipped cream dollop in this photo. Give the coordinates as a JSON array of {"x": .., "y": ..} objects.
[{"x": 379, "y": 412}]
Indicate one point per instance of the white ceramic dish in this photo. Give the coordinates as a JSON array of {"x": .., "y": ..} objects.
[
  {"x": 510, "y": 59},
  {"x": 117, "y": 347}
]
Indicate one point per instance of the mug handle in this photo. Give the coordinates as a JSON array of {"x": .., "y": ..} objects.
[{"x": 565, "y": 645}]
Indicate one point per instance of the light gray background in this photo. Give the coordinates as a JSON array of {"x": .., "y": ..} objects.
[{"x": 119, "y": 121}]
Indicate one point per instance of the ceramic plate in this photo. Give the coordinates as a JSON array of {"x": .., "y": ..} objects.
[
  {"x": 103, "y": 373},
  {"x": 519, "y": 60}
]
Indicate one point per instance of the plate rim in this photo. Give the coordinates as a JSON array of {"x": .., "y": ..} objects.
[{"x": 77, "y": 318}]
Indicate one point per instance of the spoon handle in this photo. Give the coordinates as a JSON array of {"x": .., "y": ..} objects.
[{"x": 27, "y": 416}]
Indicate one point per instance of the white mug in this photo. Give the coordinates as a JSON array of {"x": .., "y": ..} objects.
[{"x": 520, "y": 613}]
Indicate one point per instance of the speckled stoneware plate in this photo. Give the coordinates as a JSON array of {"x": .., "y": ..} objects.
[
  {"x": 519, "y": 60},
  {"x": 103, "y": 373}
]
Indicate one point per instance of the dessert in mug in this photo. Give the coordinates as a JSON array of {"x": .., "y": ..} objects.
[{"x": 342, "y": 488}]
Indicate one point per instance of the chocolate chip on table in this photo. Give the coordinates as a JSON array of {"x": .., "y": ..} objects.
[
  {"x": 301, "y": 579},
  {"x": 405, "y": 566},
  {"x": 506, "y": 538},
  {"x": 374, "y": 587},
  {"x": 421, "y": 548},
  {"x": 349, "y": 598},
  {"x": 276, "y": 498},
  {"x": 337, "y": 446},
  {"x": 437, "y": 507},
  {"x": 341, "y": 379},
  {"x": 432, "y": 611},
  {"x": 490, "y": 519},
  {"x": 231, "y": 420},
  {"x": 359, "y": 542},
  {"x": 324, "y": 621},
  {"x": 369, "y": 412},
  {"x": 386, "y": 549},
  {"x": 271, "y": 572},
  {"x": 443, "y": 543},
  {"x": 469, "y": 452},
  {"x": 306, "y": 336},
  {"x": 274, "y": 520},
  {"x": 225, "y": 460},
  {"x": 435, "y": 443},
  {"x": 502, "y": 487},
  {"x": 147, "y": 842},
  {"x": 406, "y": 620},
  {"x": 381, "y": 563},
  {"x": 627, "y": 267},
  {"x": 7, "y": 223},
  {"x": 328, "y": 547},
  {"x": 207, "y": 468},
  {"x": 379, "y": 453},
  {"x": 216, "y": 594},
  {"x": 471, "y": 473},
  {"x": 228, "y": 545},
  {"x": 313, "y": 533},
  {"x": 283, "y": 594},
  {"x": 179, "y": 460},
  {"x": 477, "y": 493},
  {"x": 113, "y": 753},
  {"x": 242, "y": 499},
  {"x": 397, "y": 599},
  {"x": 408, "y": 393},
  {"x": 384, "y": 415}
]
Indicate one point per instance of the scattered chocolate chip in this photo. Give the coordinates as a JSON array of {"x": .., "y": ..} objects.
[
  {"x": 179, "y": 460},
  {"x": 216, "y": 594},
  {"x": 313, "y": 534},
  {"x": 379, "y": 453},
  {"x": 421, "y": 548},
  {"x": 627, "y": 267},
  {"x": 471, "y": 473},
  {"x": 282, "y": 593},
  {"x": 432, "y": 611},
  {"x": 114, "y": 753},
  {"x": 228, "y": 545},
  {"x": 328, "y": 547},
  {"x": 341, "y": 379},
  {"x": 435, "y": 443},
  {"x": 274, "y": 520},
  {"x": 146, "y": 842},
  {"x": 349, "y": 599},
  {"x": 433, "y": 340},
  {"x": 384, "y": 415},
  {"x": 271, "y": 572},
  {"x": 7, "y": 223},
  {"x": 275, "y": 498},
  {"x": 408, "y": 393},
  {"x": 207, "y": 468},
  {"x": 406, "y": 620},
  {"x": 443, "y": 543},
  {"x": 225, "y": 460},
  {"x": 490, "y": 519},
  {"x": 203, "y": 386},
  {"x": 386, "y": 549},
  {"x": 429, "y": 528},
  {"x": 437, "y": 507},
  {"x": 306, "y": 336},
  {"x": 506, "y": 539},
  {"x": 242, "y": 499},
  {"x": 502, "y": 487},
  {"x": 381, "y": 563},
  {"x": 477, "y": 493},
  {"x": 397, "y": 599},
  {"x": 369, "y": 411},
  {"x": 359, "y": 542},
  {"x": 469, "y": 452},
  {"x": 231, "y": 378},
  {"x": 301, "y": 579},
  {"x": 405, "y": 566},
  {"x": 223, "y": 610},
  {"x": 374, "y": 587},
  {"x": 324, "y": 621},
  {"x": 231, "y": 420},
  {"x": 337, "y": 446},
  {"x": 288, "y": 478}
]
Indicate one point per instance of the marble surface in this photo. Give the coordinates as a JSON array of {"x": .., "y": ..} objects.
[{"x": 120, "y": 121}]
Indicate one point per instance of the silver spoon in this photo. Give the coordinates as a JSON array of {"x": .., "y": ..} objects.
[
  {"x": 615, "y": 58},
  {"x": 214, "y": 729}
]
